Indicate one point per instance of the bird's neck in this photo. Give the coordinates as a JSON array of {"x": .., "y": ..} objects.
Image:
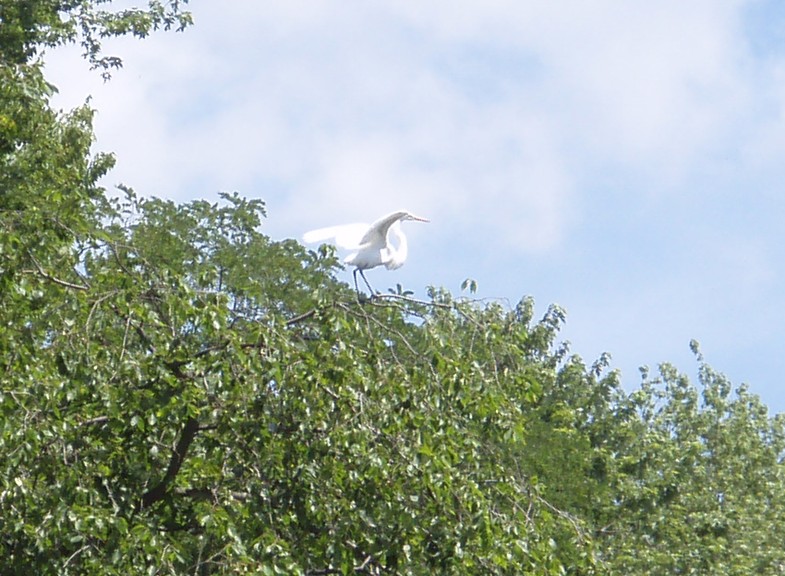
[{"x": 396, "y": 253}]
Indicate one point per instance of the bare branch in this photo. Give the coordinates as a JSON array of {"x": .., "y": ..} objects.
[
  {"x": 94, "y": 421},
  {"x": 301, "y": 317},
  {"x": 57, "y": 281}
]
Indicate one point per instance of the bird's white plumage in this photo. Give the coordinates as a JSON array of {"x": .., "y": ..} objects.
[{"x": 381, "y": 243}]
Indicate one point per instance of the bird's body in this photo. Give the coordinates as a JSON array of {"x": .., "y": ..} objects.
[{"x": 382, "y": 243}]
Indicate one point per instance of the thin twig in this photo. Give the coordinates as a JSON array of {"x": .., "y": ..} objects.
[
  {"x": 412, "y": 300},
  {"x": 383, "y": 326},
  {"x": 75, "y": 554},
  {"x": 125, "y": 337},
  {"x": 137, "y": 328},
  {"x": 94, "y": 307}
]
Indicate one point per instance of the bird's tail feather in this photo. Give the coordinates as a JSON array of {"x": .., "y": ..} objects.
[
  {"x": 319, "y": 235},
  {"x": 345, "y": 236}
]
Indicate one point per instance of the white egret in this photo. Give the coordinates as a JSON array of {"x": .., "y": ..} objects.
[{"x": 374, "y": 245}]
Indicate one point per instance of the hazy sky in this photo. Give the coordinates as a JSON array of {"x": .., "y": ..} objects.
[{"x": 625, "y": 160}]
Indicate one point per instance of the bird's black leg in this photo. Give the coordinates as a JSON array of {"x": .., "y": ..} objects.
[
  {"x": 370, "y": 288},
  {"x": 356, "y": 288}
]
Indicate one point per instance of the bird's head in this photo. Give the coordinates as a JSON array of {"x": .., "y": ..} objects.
[{"x": 410, "y": 216}]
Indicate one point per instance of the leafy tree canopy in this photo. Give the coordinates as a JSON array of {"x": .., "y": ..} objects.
[
  {"x": 179, "y": 393},
  {"x": 27, "y": 26}
]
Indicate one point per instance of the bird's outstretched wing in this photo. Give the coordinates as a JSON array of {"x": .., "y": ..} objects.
[{"x": 347, "y": 236}]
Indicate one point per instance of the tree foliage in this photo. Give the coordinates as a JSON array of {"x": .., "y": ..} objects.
[
  {"x": 179, "y": 393},
  {"x": 28, "y": 26}
]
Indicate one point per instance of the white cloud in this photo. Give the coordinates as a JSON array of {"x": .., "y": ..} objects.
[
  {"x": 352, "y": 113},
  {"x": 351, "y": 103},
  {"x": 494, "y": 112}
]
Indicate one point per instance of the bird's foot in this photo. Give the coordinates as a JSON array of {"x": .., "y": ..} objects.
[{"x": 362, "y": 297}]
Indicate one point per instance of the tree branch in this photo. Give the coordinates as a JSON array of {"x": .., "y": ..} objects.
[
  {"x": 380, "y": 298},
  {"x": 301, "y": 317},
  {"x": 94, "y": 421},
  {"x": 57, "y": 281},
  {"x": 159, "y": 491}
]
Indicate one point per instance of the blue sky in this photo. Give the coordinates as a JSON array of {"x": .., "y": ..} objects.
[{"x": 625, "y": 160}]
